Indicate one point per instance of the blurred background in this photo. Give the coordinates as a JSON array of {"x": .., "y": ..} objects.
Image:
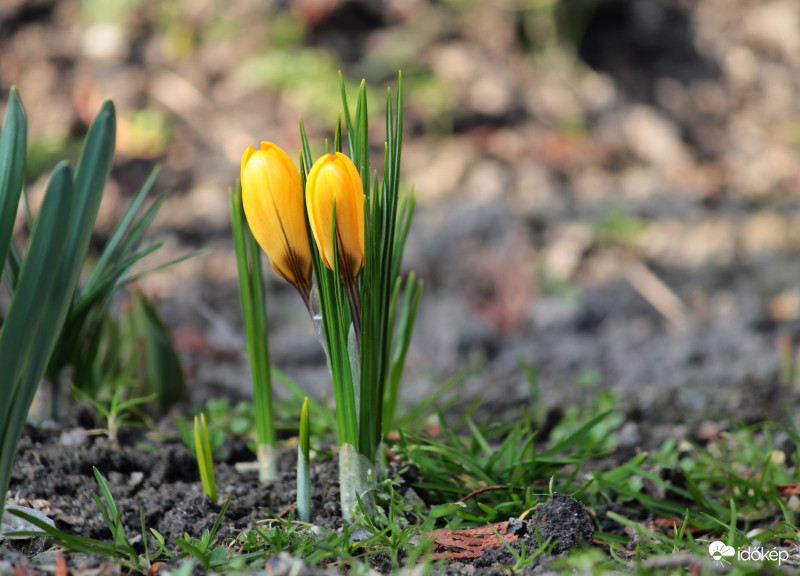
[{"x": 607, "y": 189}]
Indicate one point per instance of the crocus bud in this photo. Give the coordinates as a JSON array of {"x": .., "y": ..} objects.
[
  {"x": 335, "y": 179},
  {"x": 272, "y": 196}
]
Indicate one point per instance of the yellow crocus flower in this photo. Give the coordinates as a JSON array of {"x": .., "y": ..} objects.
[
  {"x": 334, "y": 178},
  {"x": 272, "y": 196}
]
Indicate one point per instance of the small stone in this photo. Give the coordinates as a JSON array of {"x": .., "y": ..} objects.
[
  {"x": 360, "y": 535},
  {"x": 11, "y": 523},
  {"x": 74, "y": 437},
  {"x": 487, "y": 181},
  {"x": 773, "y": 25},
  {"x": 565, "y": 248},
  {"x": 412, "y": 497},
  {"x": 491, "y": 94},
  {"x": 785, "y": 306},
  {"x": 629, "y": 435},
  {"x": 438, "y": 172},
  {"x": 315, "y": 531},
  {"x": 105, "y": 42},
  {"x": 652, "y": 137},
  {"x": 516, "y": 526}
]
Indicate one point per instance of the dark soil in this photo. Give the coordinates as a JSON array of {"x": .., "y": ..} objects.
[
  {"x": 159, "y": 478},
  {"x": 54, "y": 473}
]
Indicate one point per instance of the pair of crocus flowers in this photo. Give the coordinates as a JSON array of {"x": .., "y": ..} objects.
[{"x": 272, "y": 195}]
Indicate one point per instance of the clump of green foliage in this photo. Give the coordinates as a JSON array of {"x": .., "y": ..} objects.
[
  {"x": 44, "y": 280},
  {"x": 53, "y": 321}
]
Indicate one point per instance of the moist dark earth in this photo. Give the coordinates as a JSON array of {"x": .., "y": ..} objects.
[
  {"x": 610, "y": 192},
  {"x": 157, "y": 483}
]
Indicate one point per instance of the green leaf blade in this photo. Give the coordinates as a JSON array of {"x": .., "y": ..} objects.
[
  {"x": 13, "y": 142},
  {"x": 33, "y": 321}
]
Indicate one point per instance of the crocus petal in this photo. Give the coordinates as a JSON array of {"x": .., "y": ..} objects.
[
  {"x": 273, "y": 204},
  {"x": 335, "y": 179}
]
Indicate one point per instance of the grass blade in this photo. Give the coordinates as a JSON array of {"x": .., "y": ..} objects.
[{"x": 202, "y": 448}]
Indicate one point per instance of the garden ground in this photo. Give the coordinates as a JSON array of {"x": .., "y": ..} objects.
[{"x": 629, "y": 228}]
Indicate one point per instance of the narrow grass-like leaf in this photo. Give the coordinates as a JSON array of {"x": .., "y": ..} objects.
[
  {"x": 351, "y": 139},
  {"x": 657, "y": 506},
  {"x": 576, "y": 438},
  {"x": 205, "y": 463},
  {"x": 464, "y": 460},
  {"x": 113, "y": 517},
  {"x": 220, "y": 516},
  {"x": 404, "y": 330},
  {"x": 13, "y": 141},
  {"x": 448, "y": 509},
  {"x": 115, "y": 246},
  {"x": 79, "y": 341},
  {"x": 416, "y": 417},
  {"x": 263, "y": 391},
  {"x": 195, "y": 552},
  {"x": 100, "y": 291},
  {"x": 337, "y": 137},
  {"x": 406, "y": 207},
  {"x": 71, "y": 542},
  {"x": 252, "y": 295}
]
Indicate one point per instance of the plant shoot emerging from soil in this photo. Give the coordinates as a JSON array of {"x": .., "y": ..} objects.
[
  {"x": 202, "y": 449},
  {"x": 351, "y": 232},
  {"x": 303, "y": 467},
  {"x": 254, "y": 311}
]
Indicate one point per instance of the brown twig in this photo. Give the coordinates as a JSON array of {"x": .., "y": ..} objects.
[
  {"x": 487, "y": 489},
  {"x": 658, "y": 294},
  {"x": 287, "y": 510}
]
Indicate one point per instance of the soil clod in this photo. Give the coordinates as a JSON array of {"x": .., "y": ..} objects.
[{"x": 564, "y": 520}]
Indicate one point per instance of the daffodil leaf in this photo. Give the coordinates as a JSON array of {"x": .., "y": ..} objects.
[
  {"x": 33, "y": 320},
  {"x": 163, "y": 368},
  {"x": 118, "y": 242},
  {"x": 90, "y": 180},
  {"x": 12, "y": 170}
]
